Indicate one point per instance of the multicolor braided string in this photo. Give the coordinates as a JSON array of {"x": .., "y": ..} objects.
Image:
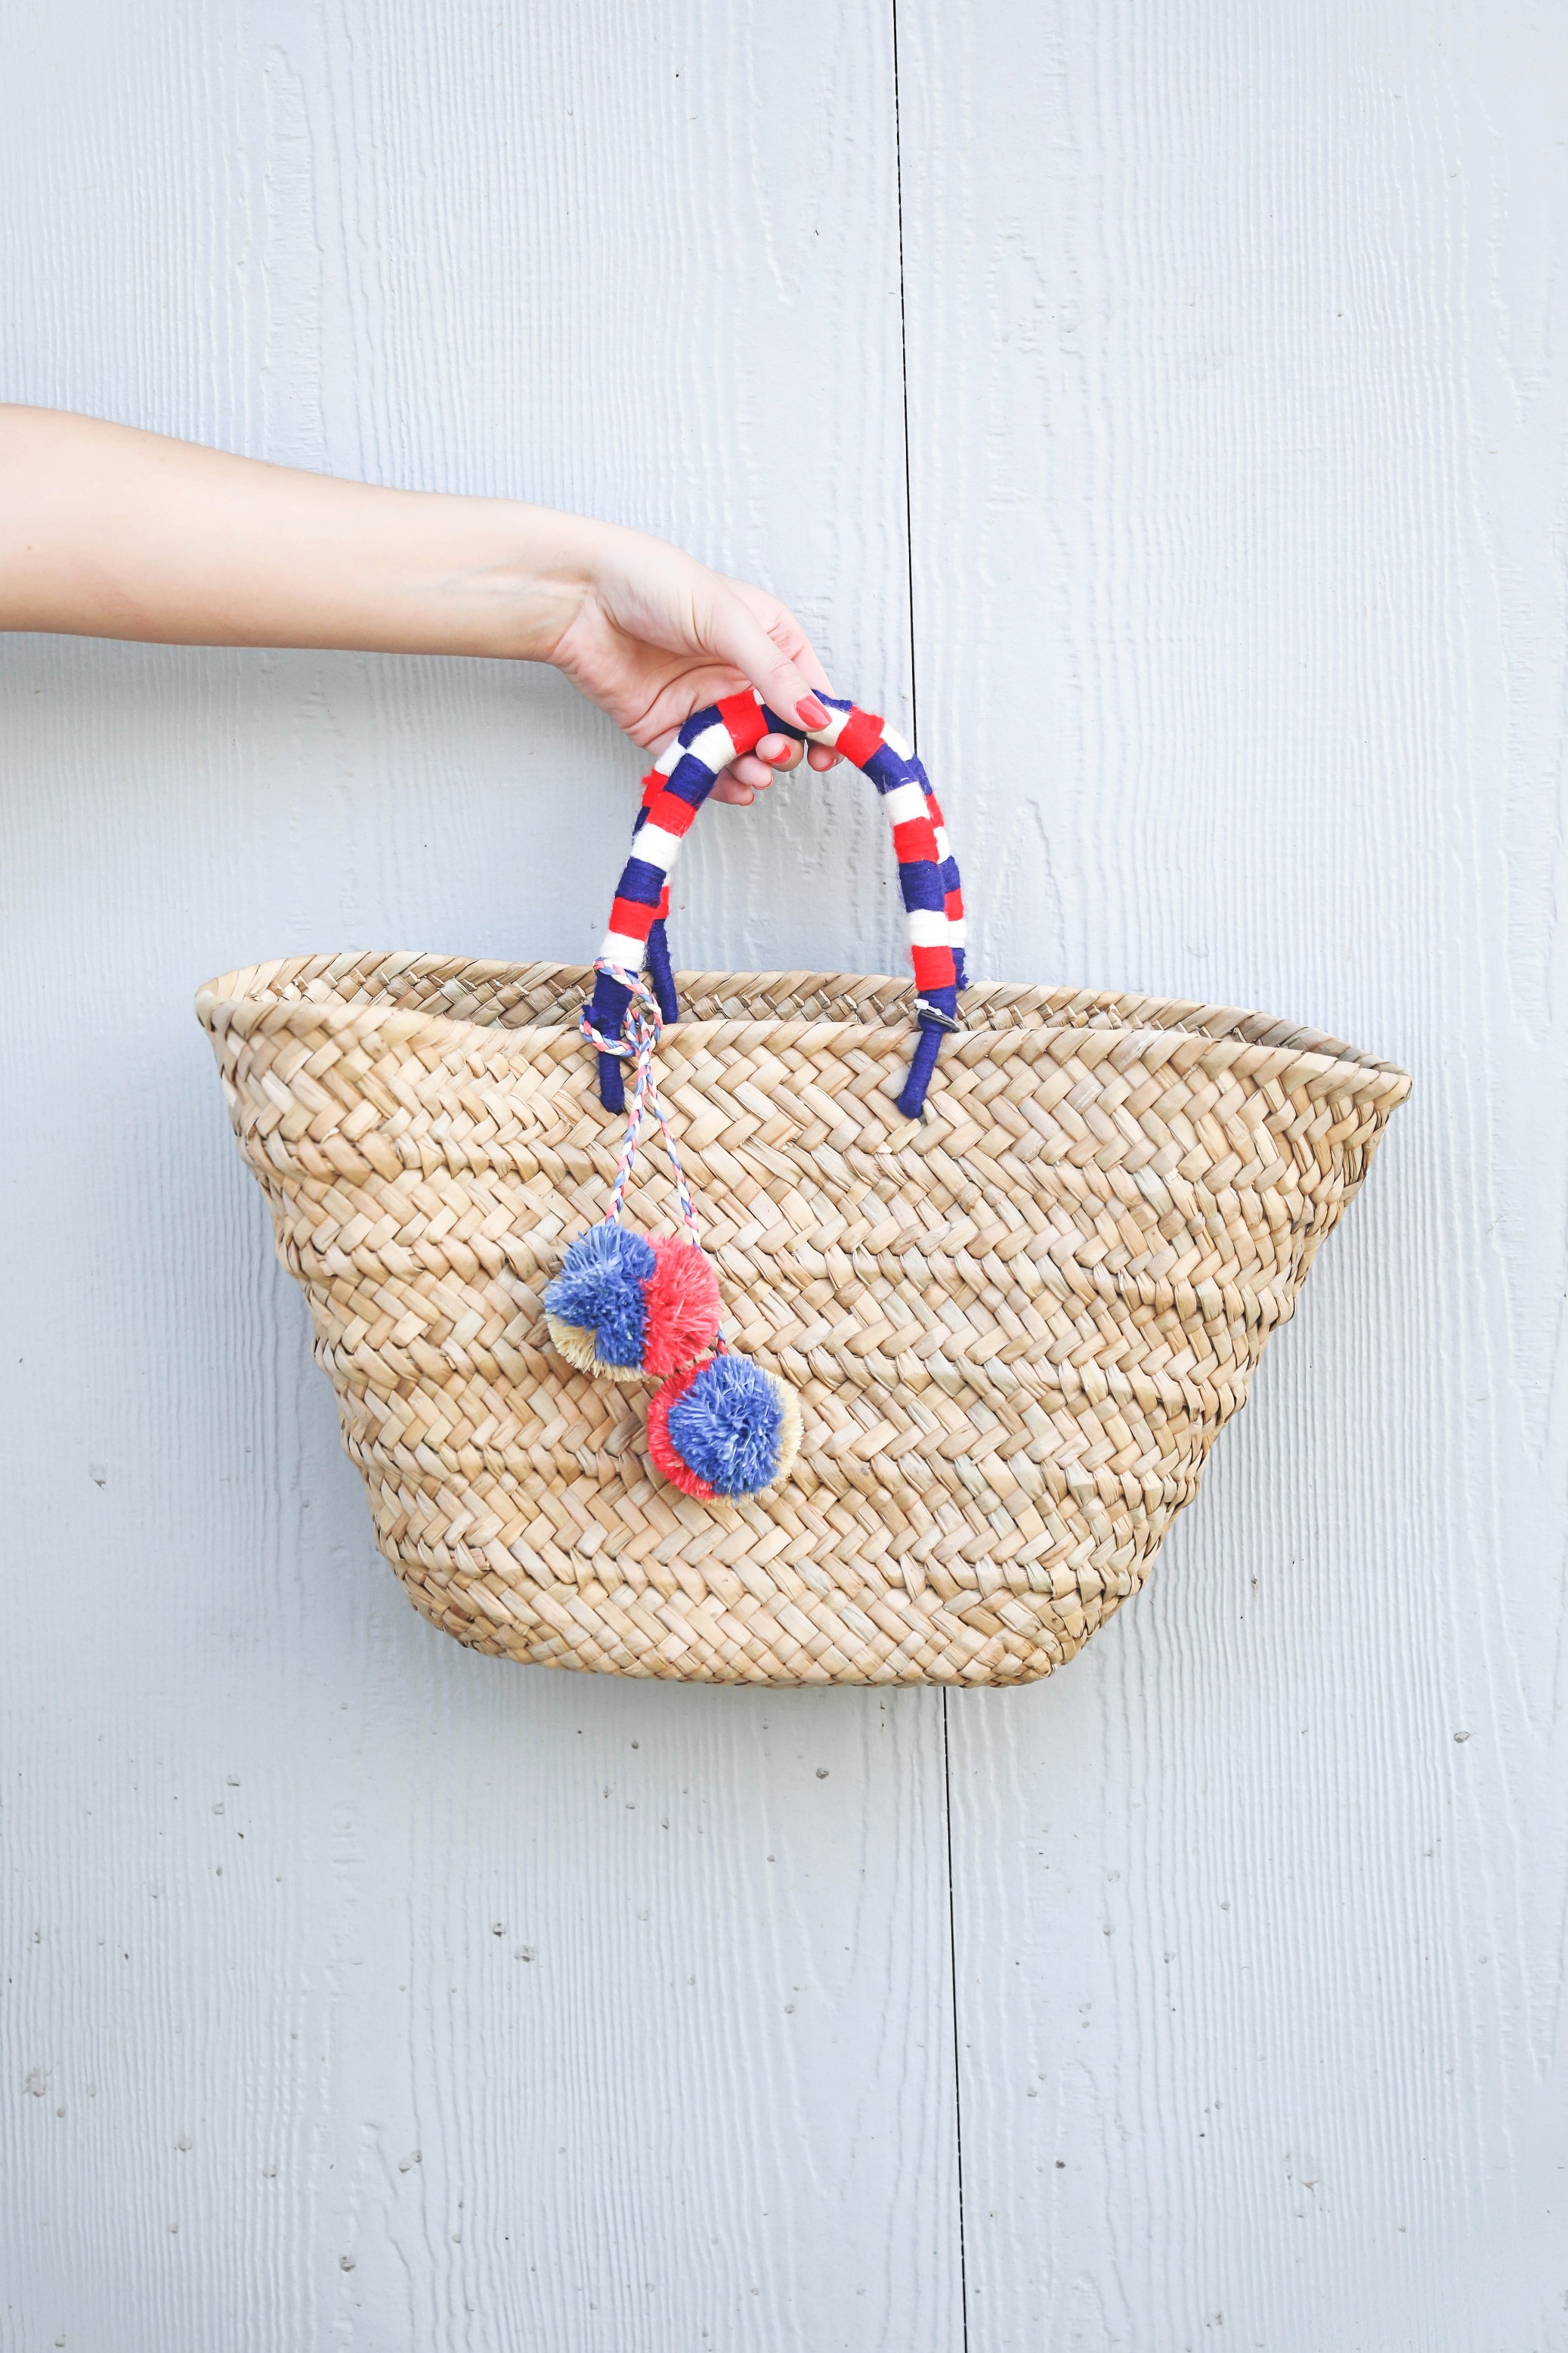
[
  {"x": 642, "y": 1028},
  {"x": 675, "y": 789}
]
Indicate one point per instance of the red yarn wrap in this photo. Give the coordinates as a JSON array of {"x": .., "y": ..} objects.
[
  {"x": 681, "y": 1303},
  {"x": 660, "y": 1447}
]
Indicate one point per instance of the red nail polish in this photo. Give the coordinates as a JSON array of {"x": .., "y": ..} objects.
[{"x": 810, "y": 713}]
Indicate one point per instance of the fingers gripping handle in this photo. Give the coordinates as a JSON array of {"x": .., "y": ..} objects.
[{"x": 675, "y": 788}]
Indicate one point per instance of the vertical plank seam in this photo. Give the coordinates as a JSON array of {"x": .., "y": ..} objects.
[
  {"x": 915, "y": 737},
  {"x": 904, "y": 382},
  {"x": 957, "y": 2062}
]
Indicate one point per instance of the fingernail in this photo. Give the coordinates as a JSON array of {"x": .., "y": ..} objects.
[
  {"x": 810, "y": 713},
  {"x": 772, "y": 747}
]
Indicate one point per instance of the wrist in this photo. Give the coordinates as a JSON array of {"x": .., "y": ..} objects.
[{"x": 517, "y": 578}]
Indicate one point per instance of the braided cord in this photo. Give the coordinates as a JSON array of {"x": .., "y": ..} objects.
[{"x": 642, "y": 1030}]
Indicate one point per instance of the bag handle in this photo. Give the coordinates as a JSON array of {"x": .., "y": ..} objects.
[{"x": 675, "y": 789}]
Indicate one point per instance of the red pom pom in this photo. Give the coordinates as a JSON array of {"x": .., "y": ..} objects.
[
  {"x": 681, "y": 1306},
  {"x": 660, "y": 1451}
]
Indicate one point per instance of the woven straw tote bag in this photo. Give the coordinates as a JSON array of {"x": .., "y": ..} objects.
[{"x": 1015, "y": 1317}]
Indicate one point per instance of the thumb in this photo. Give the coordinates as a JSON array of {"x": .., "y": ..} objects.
[{"x": 782, "y": 683}]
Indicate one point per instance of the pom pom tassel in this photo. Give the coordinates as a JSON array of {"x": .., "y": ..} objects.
[
  {"x": 724, "y": 1430},
  {"x": 624, "y": 1306},
  {"x": 720, "y": 1427}
]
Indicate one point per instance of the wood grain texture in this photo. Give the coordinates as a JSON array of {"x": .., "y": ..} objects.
[
  {"x": 360, "y": 1992},
  {"x": 1235, "y": 373},
  {"x": 1236, "y": 405}
]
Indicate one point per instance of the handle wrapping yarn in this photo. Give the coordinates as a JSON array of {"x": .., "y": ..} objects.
[{"x": 675, "y": 789}]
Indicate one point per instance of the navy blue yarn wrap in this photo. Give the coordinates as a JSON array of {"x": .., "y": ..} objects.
[
  {"x": 607, "y": 1010},
  {"x": 660, "y": 976},
  {"x": 922, "y": 1062},
  {"x": 607, "y": 1006}
]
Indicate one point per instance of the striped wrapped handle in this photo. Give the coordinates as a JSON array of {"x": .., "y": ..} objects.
[{"x": 675, "y": 789}]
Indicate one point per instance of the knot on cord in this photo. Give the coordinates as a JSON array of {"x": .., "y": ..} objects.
[{"x": 644, "y": 1023}]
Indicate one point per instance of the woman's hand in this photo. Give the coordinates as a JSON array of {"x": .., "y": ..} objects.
[
  {"x": 657, "y": 637},
  {"x": 109, "y": 532}
]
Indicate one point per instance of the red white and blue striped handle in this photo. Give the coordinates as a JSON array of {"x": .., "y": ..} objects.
[{"x": 673, "y": 792}]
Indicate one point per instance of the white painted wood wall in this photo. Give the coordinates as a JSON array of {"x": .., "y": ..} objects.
[{"x": 1185, "y": 455}]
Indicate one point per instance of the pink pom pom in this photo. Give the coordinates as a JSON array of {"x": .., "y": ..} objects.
[
  {"x": 661, "y": 1450},
  {"x": 681, "y": 1304}
]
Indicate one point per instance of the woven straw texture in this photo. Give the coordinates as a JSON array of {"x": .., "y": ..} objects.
[{"x": 1015, "y": 1327}]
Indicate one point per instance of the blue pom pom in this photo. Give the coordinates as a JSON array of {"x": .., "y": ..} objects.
[
  {"x": 727, "y": 1426},
  {"x": 600, "y": 1290}
]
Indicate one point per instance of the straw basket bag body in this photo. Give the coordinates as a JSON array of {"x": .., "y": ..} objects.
[{"x": 1013, "y": 1324}]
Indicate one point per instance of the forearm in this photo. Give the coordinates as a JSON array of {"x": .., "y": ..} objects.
[{"x": 109, "y": 532}]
